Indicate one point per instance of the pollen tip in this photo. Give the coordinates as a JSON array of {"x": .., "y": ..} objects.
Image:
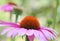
[{"x": 30, "y": 22}]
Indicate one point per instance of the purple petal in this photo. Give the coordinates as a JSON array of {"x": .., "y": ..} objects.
[
  {"x": 29, "y": 32},
  {"x": 5, "y": 31},
  {"x": 48, "y": 34},
  {"x": 12, "y": 33},
  {"x": 7, "y": 7},
  {"x": 21, "y": 32},
  {"x": 40, "y": 36},
  {"x": 31, "y": 38},
  {"x": 49, "y": 29},
  {"x": 2, "y": 23}
]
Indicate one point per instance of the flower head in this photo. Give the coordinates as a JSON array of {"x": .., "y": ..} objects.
[
  {"x": 8, "y": 7},
  {"x": 30, "y": 22},
  {"x": 28, "y": 26}
]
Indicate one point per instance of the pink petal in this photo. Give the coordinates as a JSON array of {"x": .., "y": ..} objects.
[
  {"x": 49, "y": 29},
  {"x": 5, "y": 31},
  {"x": 12, "y": 33},
  {"x": 21, "y": 32},
  {"x": 2, "y": 23},
  {"x": 7, "y": 7},
  {"x": 29, "y": 32},
  {"x": 31, "y": 38},
  {"x": 48, "y": 34},
  {"x": 40, "y": 36}
]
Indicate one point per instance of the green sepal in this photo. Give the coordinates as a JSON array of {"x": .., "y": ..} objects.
[{"x": 17, "y": 11}]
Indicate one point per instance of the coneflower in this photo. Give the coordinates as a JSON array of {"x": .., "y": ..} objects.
[
  {"x": 30, "y": 27},
  {"x": 8, "y": 7}
]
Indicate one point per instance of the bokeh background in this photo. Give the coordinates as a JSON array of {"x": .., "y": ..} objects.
[{"x": 44, "y": 10}]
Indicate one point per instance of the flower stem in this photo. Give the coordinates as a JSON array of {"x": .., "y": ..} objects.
[
  {"x": 16, "y": 18},
  {"x": 55, "y": 14},
  {"x": 10, "y": 16},
  {"x": 26, "y": 39}
]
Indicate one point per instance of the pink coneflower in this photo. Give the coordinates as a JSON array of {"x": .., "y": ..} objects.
[
  {"x": 30, "y": 27},
  {"x": 8, "y": 7}
]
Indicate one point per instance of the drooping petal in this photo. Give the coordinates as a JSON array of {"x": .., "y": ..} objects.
[
  {"x": 49, "y": 29},
  {"x": 29, "y": 32},
  {"x": 40, "y": 36},
  {"x": 21, "y": 32},
  {"x": 12, "y": 32},
  {"x": 31, "y": 38},
  {"x": 5, "y": 31},
  {"x": 48, "y": 34},
  {"x": 2, "y": 23}
]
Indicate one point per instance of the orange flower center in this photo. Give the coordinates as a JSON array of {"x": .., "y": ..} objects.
[{"x": 30, "y": 22}]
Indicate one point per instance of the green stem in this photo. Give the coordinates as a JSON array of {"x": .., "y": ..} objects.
[
  {"x": 16, "y": 18},
  {"x": 26, "y": 39},
  {"x": 10, "y": 16},
  {"x": 55, "y": 14}
]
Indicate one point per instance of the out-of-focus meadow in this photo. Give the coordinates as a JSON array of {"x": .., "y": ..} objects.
[{"x": 44, "y": 10}]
